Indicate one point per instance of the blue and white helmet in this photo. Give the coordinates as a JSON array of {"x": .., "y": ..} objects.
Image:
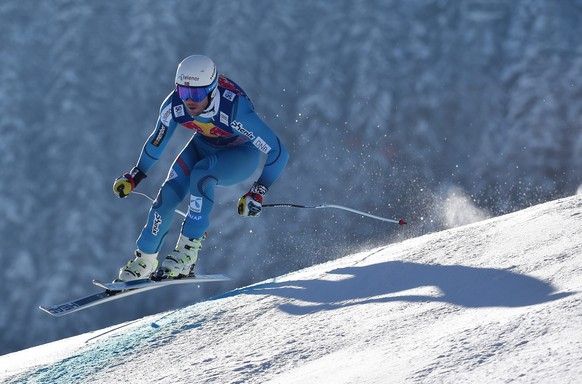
[{"x": 198, "y": 73}]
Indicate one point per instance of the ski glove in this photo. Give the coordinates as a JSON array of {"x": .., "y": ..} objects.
[
  {"x": 250, "y": 205},
  {"x": 125, "y": 184}
]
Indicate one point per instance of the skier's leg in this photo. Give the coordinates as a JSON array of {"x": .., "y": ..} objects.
[
  {"x": 159, "y": 221},
  {"x": 172, "y": 192},
  {"x": 224, "y": 168}
]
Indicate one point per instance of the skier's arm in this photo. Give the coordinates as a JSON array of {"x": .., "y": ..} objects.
[
  {"x": 156, "y": 143},
  {"x": 276, "y": 161},
  {"x": 150, "y": 153},
  {"x": 265, "y": 140}
]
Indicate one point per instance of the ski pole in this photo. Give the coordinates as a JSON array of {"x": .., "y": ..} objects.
[
  {"x": 152, "y": 200},
  {"x": 288, "y": 205}
]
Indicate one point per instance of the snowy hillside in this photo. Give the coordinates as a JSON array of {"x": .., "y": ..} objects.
[
  {"x": 397, "y": 108},
  {"x": 496, "y": 301}
]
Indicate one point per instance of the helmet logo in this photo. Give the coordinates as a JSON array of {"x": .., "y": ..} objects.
[{"x": 188, "y": 77}]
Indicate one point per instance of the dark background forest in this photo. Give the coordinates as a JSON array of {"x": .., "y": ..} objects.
[{"x": 441, "y": 112}]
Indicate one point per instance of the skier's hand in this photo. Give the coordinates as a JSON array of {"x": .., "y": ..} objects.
[
  {"x": 251, "y": 203},
  {"x": 123, "y": 185}
]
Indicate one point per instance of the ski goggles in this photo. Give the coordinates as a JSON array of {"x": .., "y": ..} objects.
[{"x": 195, "y": 93}]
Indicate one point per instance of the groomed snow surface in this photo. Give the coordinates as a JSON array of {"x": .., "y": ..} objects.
[{"x": 493, "y": 302}]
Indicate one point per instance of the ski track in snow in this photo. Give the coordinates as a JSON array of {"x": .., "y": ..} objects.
[{"x": 496, "y": 301}]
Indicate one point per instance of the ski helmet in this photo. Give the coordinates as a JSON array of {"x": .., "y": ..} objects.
[{"x": 196, "y": 77}]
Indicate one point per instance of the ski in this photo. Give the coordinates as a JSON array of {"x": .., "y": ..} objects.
[
  {"x": 143, "y": 283},
  {"x": 87, "y": 302},
  {"x": 119, "y": 290}
]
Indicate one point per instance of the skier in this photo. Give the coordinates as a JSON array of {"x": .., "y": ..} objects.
[{"x": 227, "y": 146}]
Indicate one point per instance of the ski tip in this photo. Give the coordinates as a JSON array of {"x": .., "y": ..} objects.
[
  {"x": 99, "y": 283},
  {"x": 47, "y": 310},
  {"x": 215, "y": 277}
]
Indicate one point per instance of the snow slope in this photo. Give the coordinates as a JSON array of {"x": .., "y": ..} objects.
[{"x": 496, "y": 301}]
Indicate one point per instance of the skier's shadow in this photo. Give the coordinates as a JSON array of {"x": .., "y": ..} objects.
[{"x": 459, "y": 285}]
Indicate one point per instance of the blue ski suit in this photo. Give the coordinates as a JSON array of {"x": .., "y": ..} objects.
[{"x": 225, "y": 149}]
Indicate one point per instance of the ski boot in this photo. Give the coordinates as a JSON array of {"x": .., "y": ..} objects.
[
  {"x": 181, "y": 261},
  {"x": 141, "y": 267}
]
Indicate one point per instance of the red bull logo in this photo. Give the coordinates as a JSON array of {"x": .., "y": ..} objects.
[{"x": 207, "y": 129}]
